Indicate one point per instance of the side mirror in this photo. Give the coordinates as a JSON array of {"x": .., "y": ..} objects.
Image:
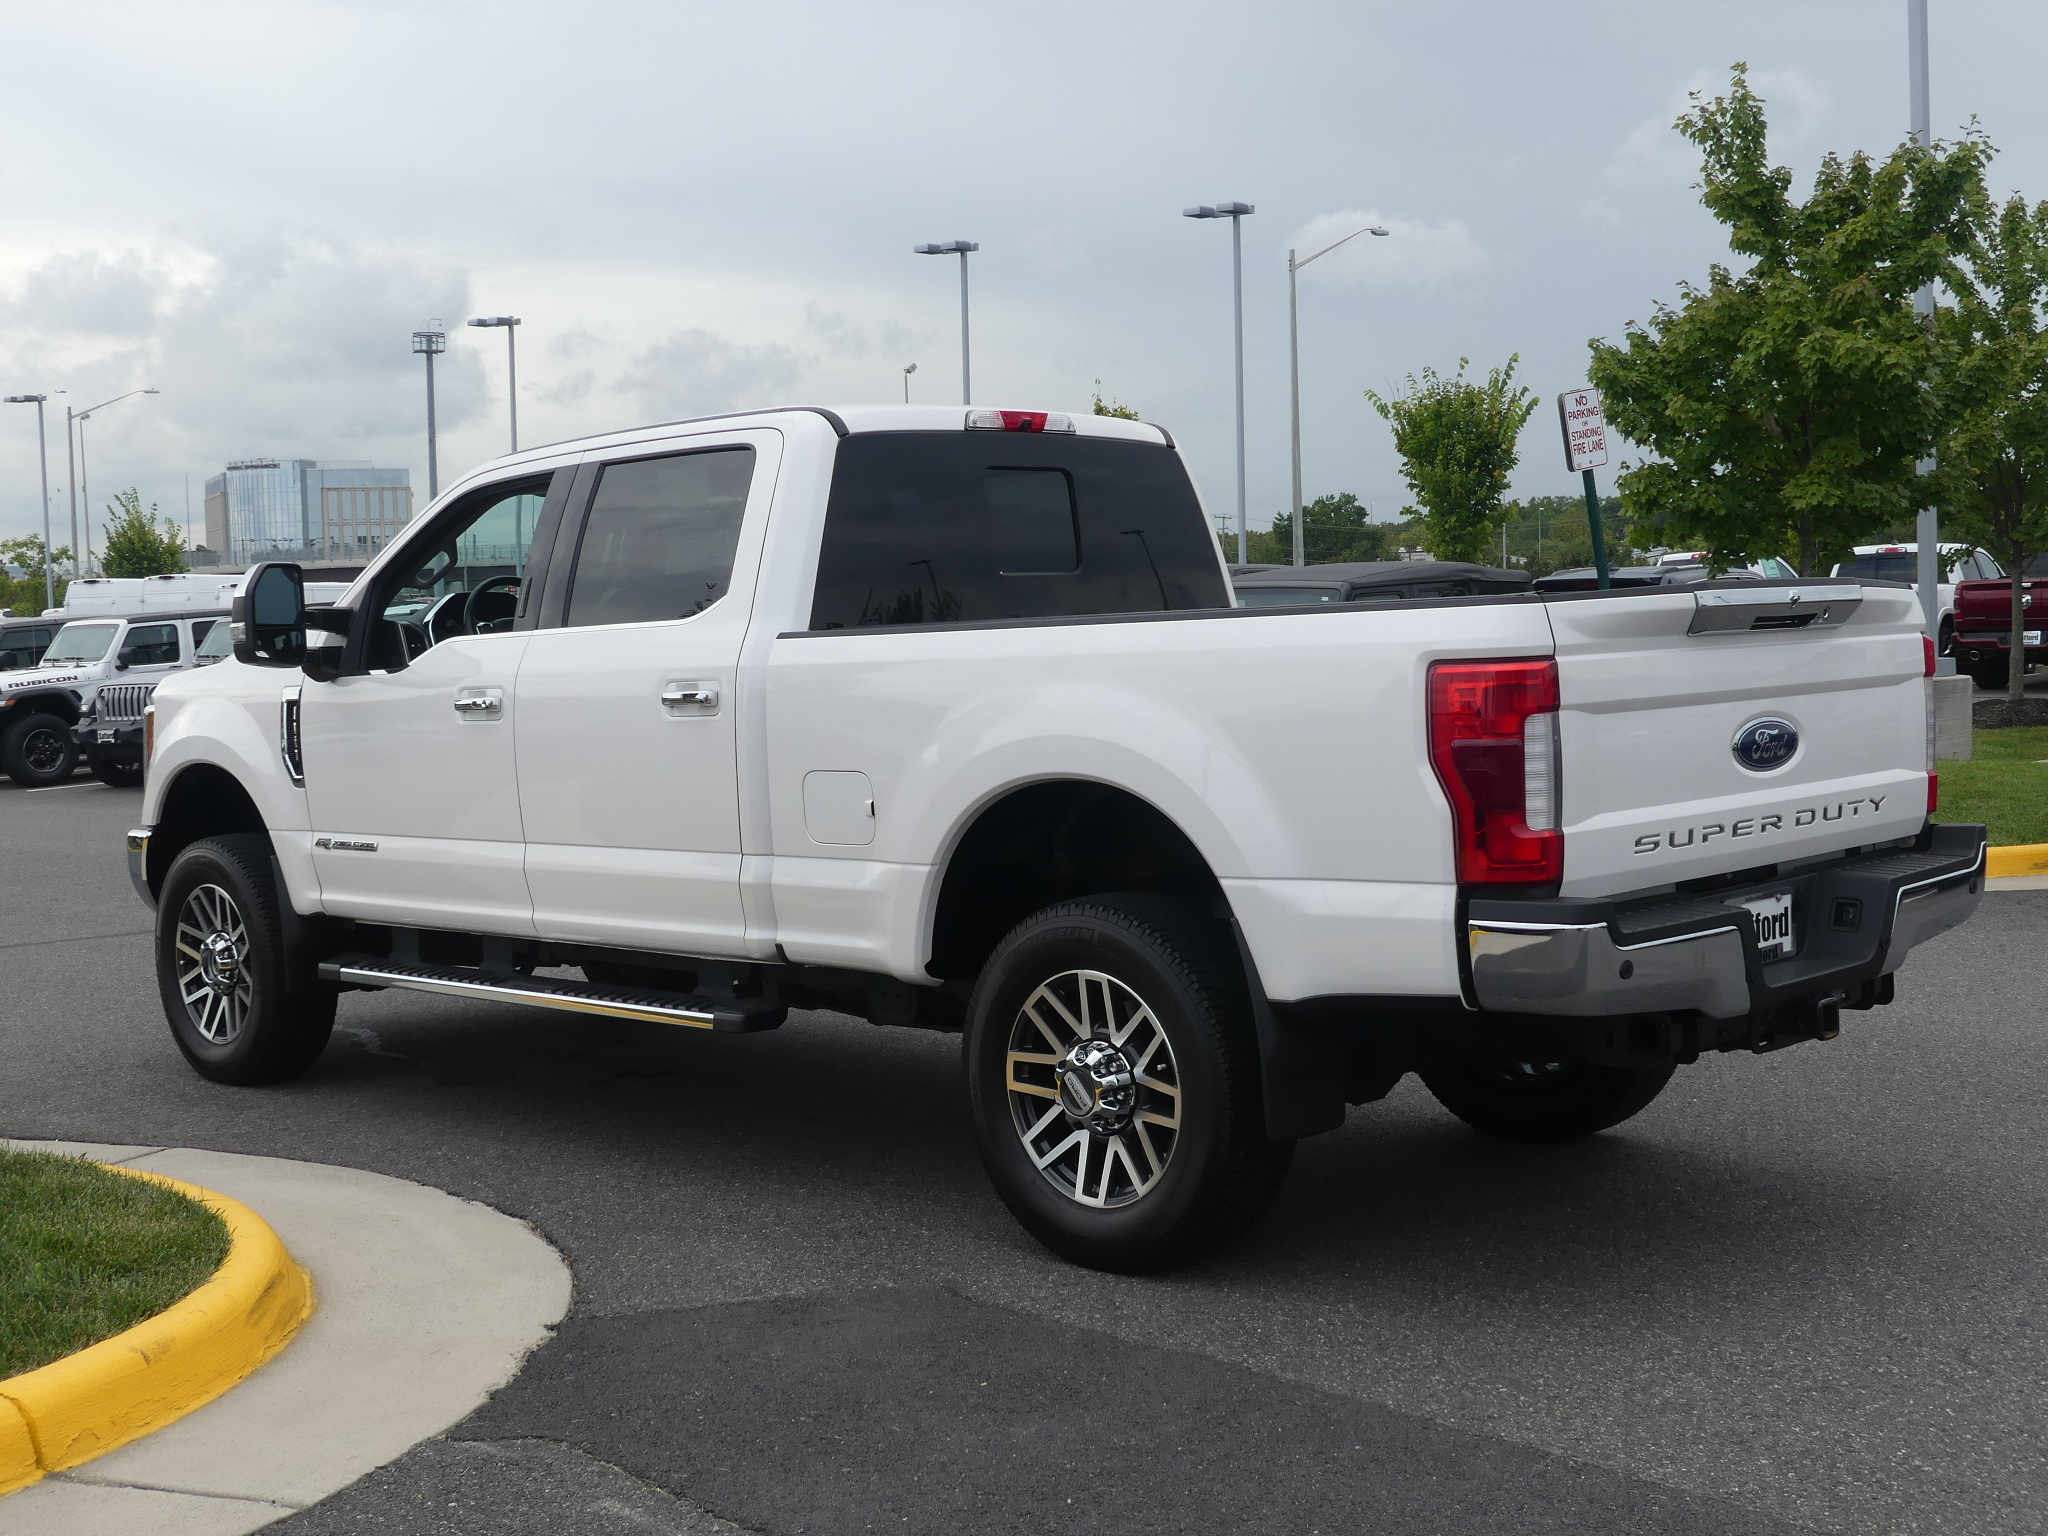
[
  {"x": 269, "y": 617},
  {"x": 127, "y": 657},
  {"x": 327, "y": 635}
]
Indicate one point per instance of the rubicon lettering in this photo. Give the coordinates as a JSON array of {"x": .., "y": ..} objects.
[{"x": 1758, "y": 826}]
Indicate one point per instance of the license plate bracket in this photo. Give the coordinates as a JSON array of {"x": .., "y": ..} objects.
[{"x": 1776, "y": 936}]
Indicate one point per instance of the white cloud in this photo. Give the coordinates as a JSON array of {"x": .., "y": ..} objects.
[
  {"x": 697, "y": 372},
  {"x": 1414, "y": 255}
]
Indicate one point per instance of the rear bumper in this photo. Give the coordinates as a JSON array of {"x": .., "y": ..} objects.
[{"x": 1856, "y": 920}]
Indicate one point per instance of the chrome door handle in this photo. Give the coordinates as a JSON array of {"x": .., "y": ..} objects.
[
  {"x": 480, "y": 703},
  {"x": 702, "y": 695}
]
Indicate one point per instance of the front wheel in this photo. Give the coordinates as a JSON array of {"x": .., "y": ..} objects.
[
  {"x": 1543, "y": 1100},
  {"x": 1112, "y": 1072},
  {"x": 38, "y": 752},
  {"x": 112, "y": 774},
  {"x": 221, "y": 967}
]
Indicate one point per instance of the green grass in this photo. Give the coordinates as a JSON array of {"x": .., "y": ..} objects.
[
  {"x": 85, "y": 1253},
  {"x": 2005, "y": 785}
]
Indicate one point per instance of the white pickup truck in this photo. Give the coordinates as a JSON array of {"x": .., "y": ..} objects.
[{"x": 945, "y": 718}]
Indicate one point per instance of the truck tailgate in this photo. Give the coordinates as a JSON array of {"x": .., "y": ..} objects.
[{"x": 1657, "y": 688}]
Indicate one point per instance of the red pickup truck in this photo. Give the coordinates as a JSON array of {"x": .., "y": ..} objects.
[{"x": 1984, "y": 624}]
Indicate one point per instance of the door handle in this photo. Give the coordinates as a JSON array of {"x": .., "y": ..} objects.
[
  {"x": 480, "y": 703},
  {"x": 700, "y": 695}
]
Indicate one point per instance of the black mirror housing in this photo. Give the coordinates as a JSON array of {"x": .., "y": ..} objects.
[{"x": 269, "y": 617}]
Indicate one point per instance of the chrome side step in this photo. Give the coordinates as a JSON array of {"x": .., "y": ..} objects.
[{"x": 743, "y": 1015}]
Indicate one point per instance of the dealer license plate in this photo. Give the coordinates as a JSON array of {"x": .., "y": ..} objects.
[
  {"x": 1775, "y": 939},
  {"x": 2033, "y": 636},
  {"x": 107, "y": 735}
]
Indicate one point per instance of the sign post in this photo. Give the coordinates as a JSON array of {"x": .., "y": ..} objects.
[{"x": 1585, "y": 449}]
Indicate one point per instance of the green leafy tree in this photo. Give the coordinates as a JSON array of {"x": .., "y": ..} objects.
[
  {"x": 24, "y": 595},
  {"x": 135, "y": 545},
  {"x": 1333, "y": 528},
  {"x": 1114, "y": 408},
  {"x": 1786, "y": 403},
  {"x": 1550, "y": 533},
  {"x": 1457, "y": 444},
  {"x": 1993, "y": 475}
]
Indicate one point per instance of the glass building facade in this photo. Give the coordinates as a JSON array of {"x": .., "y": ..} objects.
[{"x": 268, "y": 509}]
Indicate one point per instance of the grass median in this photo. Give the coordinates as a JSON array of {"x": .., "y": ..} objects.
[
  {"x": 86, "y": 1254},
  {"x": 2005, "y": 785}
]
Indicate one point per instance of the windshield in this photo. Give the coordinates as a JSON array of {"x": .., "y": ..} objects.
[
  {"x": 218, "y": 645},
  {"x": 1285, "y": 597},
  {"x": 80, "y": 642}
]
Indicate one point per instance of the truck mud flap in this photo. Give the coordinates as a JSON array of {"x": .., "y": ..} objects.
[{"x": 1301, "y": 1064}]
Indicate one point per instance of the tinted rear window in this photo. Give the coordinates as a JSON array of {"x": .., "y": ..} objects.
[
  {"x": 1883, "y": 567},
  {"x": 928, "y": 527}
]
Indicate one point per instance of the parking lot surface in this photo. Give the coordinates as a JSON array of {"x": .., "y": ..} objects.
[{"x": 1803, "y": 1291}]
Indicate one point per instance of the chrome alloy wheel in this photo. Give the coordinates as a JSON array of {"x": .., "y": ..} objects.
[
  {"x": 1094, "y": 1090},
  {"x": 213, "y": 968}
]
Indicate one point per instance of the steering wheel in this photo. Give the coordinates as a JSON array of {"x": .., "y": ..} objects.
[{"x": 476, "y": 616}]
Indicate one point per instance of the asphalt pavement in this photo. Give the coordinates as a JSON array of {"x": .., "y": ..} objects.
[{"x": 1802, "y": 1291}]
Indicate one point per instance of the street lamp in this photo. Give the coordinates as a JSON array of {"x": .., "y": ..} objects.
[
  {"x": 1234, "y": 212},
  {"x": 1294, "y": 375},
  {"x": 43, "y": 458},
  {"x": 506, "y": 322},
  {"x": 431, "y": 344},
  {"x": 907, "y": 372},
  {"x": 958, "y": 248},
  {"x": 1928, "y": 532},
  {"x": 81, "y": 491}
]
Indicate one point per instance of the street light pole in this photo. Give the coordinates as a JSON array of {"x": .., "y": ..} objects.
[
  {"x": 1294, "y": 376},
  {"x": 430, "y": 344},
  {"x": 1234, "y": 212},
  {"x": 959, "y": 248},
  {"x": 907, "y": 372},
  {"x": 43, "y": 459},
  {"x": 80, "y": 490},
  {"x": 1927, "y": 533},
  {"x": 507, "y": 323}
]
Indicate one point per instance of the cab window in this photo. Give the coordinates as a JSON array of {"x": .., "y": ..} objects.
[
  {"x": 151, "y": 645},
  {"x": 465, "y": 580}
]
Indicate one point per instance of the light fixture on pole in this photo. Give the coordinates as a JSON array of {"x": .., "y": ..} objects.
[
  {"x": 430, "y": 345},
  {"x": 81, "y": 489},
  {"x": 1927, "y": 533},
  {"x": 507, "y": 323},
  {"x": 43, "y": 459},
  {"x": 1294, "y": 376},
  {"x": 1234, "y": 212},
  {"x": 907, "y": 372},
  {"x": 958, "y": 248}
]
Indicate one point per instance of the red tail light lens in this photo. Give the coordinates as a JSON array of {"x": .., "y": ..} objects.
[
  {"x": 1933, "y": 793},
  {"x": 1479, "y": 714},
  {"x": 1928, "y": 642},
  {"x": 1019, "y": 421}
]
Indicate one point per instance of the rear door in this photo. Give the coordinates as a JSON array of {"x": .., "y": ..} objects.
[
  {"x": 628, "y": 778},
  {"x": 1702, "y": 734}
]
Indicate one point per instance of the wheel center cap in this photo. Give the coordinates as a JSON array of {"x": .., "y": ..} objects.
[
  {"x": 220, "y": 962},
  {"x": 1097, "y": 1087}
]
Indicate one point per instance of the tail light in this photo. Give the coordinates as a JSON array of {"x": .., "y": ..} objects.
[
  {"x": 1493, "y": 739},
  {"x": 1927, "y": 643}
]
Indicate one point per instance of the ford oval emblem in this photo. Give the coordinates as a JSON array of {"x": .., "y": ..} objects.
[{"x": 1765, "y": 744}]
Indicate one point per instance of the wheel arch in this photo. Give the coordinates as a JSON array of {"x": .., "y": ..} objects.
[
  {"x": 54, "y": 701},
  {"x": 202, "y": 800}
]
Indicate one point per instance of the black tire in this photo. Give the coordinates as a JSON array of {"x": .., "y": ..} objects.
[
  {"x": 1543, "y": 1100},
  {"x": 112, "y": 774},
  {"x": 38, "y": 752},
  {"x": 1169, "y": 987},
  {"x": 220, "y": 892},
  {"x": 1992, "y": 672},
  {"x": 1945, "y": 637}
]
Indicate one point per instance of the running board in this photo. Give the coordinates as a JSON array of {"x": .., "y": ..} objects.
[{"x": 728, "y": 1015}]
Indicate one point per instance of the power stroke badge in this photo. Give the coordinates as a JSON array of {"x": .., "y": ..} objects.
[{"x": 1765, "y": 744}]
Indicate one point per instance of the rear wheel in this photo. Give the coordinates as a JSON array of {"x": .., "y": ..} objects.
[
  {"x": 1543, "y": 1100},
  {"x": 38, "y": 752},
  {"x": 1992, "y": 672},
  {"x": 1113, "y": 1075},
  {"x": 221, "y": 967}
]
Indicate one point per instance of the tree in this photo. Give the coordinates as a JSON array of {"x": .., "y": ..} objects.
[
  {"x": 1114, "y": 408},
  {"x": 25, "y": 594},
  {"x": 1993, "y": 475},
  {"x": 1333, "y": 528},
  {"x": 1786, "y": 403},
  {"x": 1457, "y": 445},
  {"x": 134, "y": 545}
]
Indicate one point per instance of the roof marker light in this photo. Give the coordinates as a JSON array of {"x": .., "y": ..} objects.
[{"x": 1019, "y": 421}]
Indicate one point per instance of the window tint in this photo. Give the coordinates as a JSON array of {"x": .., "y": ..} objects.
[
  {"x": 924, "y": 527},
  {"x": 1884, "y": 567},
  {"x": 659, "y": 540},
  {"x": 151, "y": 645}
]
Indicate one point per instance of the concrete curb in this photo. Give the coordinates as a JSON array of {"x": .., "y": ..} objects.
[
  {"x": 428, "y": 1304},
  {"x": 74, "y": 1410},
  {"x": 2016, "y": 860}
]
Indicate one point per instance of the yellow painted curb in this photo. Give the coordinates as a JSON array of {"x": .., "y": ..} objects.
[
  {"x": 2016, "y": 859},
  {"x": 118, "y": 1390}
]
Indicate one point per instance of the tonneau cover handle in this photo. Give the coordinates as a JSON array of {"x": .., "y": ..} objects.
[{"x": 1732, "y": 610}]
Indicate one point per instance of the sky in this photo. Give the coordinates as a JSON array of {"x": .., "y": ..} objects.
[{"x": 697, "y": 208}]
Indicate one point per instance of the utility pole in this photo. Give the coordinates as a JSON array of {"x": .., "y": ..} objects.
[
  {"x": 430, "y": 344},
  {"x": 1927, "y": 531},
  {"x": 958, "y": 248},
  {"x": 1235, "y": 212},
  {"x": 1294, "y": 377},
  {"x": 43, "y": 459}
]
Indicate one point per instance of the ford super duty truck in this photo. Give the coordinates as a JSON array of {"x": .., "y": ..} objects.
[{"x": 945, "y": 718}]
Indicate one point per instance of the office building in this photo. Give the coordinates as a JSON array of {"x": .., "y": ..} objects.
[{"x": 304, "y": 509}]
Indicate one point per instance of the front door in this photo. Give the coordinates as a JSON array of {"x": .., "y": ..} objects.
[
  {"x": 408, "y": 766},
  {"x": 628, "y": 780}
]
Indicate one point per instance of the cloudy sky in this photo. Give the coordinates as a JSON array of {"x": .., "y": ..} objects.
[{"x": 701, "y": 207}]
